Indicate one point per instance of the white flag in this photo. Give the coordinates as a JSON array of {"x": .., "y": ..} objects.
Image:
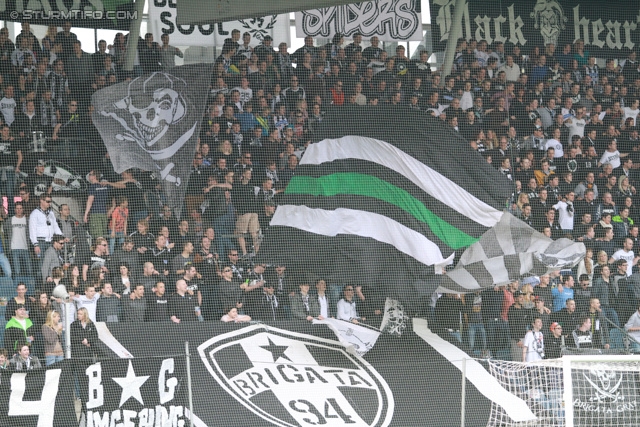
[{"x": 358, "y": 339}]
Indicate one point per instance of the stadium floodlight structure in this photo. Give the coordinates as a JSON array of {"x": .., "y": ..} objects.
[{"x": 191, "y": 12}]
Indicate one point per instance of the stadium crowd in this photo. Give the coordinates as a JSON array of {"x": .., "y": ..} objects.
[{"x": 561, "y": 128}]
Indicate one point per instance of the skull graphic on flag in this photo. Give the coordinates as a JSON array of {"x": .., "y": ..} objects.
[{"x": 152, "y": 122}]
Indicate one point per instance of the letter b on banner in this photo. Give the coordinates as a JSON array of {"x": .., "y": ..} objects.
[
  {"x": 96, "y": 390},
  {"x": 43, "y": 408}
]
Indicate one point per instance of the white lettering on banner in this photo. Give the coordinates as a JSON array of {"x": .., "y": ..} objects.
[
  {"x": 445, "y": 18},
  {"x": 96, "y": 390},
  {"x": 163, "y": 13},
  {"x": 484, "y": 28},
  {"x": 547, "y": 16},
  {"x": 131, "y": 388},
  {"x": 600, "y": 409},
  {"x": 613, "y": 39},
  {"x": 388, "y": 19},
  {"x": 166, "y": 388},
  {"x": 167, "y": 17},
  {"x": 515, "y": 28},
  {"x": 176, "y": 416},
  {"x": 43, "y": 408},
  {"x": 609, "y": 393},
  {"x": 308, "y": 376}
]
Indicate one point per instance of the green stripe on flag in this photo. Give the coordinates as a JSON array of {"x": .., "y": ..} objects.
[{"x": 369, "y": 186}]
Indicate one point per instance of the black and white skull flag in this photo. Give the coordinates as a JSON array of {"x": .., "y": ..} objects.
[{"x": 152, "y": 123}]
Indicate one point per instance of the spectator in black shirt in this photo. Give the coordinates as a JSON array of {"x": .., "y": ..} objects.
[
  {"x": 553, "y": 342},
  {"x": 38, "y": 182},
  {"x": 568, "y": 317},
  {"x": 182, "y": 306},
  {"x": 142, "y": 239},
  {"x": 149, "y": 53},
  {"x": 519, "y": 321},
  {"x": 70, "y": 123},
  {"x": 267, "y": 306},
  {"x": 166, "y": 220},
  {"x": 374, "y": 51},
  {"x": 66, "y": 38},
  {"x": 27, "y": 122},
  {"x": 160, "y": 256},
  {"x": 157, "y": 305},
  {"x": 496, "y": 328},
  {"x": 448, "y": 315},
  {"x": 229, "y": 290},
  {"x": 582, "y": 293}
]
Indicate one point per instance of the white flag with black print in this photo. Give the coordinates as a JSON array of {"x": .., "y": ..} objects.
[
  {"x": 356, "y": 338},
  {"x": 507, "y": 251},
  {"x": 395, "y": 320},
  {"x": 152, "y": 123}
]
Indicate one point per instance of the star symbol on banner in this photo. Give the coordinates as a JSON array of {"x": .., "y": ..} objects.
[
  {"x": 131, "y": 386},
  {"x": 277, "y": 351}
]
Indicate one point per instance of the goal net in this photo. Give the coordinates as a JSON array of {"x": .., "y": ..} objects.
[{"x": 577, "y": 390}]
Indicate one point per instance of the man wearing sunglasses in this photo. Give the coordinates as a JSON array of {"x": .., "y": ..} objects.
[{"x": 53, "y": 256}]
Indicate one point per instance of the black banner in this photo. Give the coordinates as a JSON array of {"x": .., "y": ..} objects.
[
  {"x": 287, "y": 374},
  {"x": 136, "y": 392},
  {"x": 106, "y": 14},
  {"x": 153, "y": 122},
  {"x": 147, "y": 391},
  {"x": 606, "y": 31},
  {"x": 42, "y": 398},
  {"x": 291, "y": 374}
]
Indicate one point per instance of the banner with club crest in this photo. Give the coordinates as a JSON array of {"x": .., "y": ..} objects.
[{"x": 292, "y": 373}]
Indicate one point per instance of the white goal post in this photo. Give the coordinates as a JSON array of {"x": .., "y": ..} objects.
[{"x": 576, "y": 390}]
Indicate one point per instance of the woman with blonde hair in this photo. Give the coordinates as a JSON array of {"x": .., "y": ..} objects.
[
  {"x": 225, "y": 151},
  {"x": 84, "y": 336},
  {"x": 491, "y": 140},
  {"x": 523, "y": 199},
  {"x": 586, "y": 266},
  {"x": 625, "y": 189},
  {"x": 529, "y": 298},
  {"x": 52, "y": 331},
  {"x": 601, "y": 261},
  {"x": 84, "y": 347}
]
